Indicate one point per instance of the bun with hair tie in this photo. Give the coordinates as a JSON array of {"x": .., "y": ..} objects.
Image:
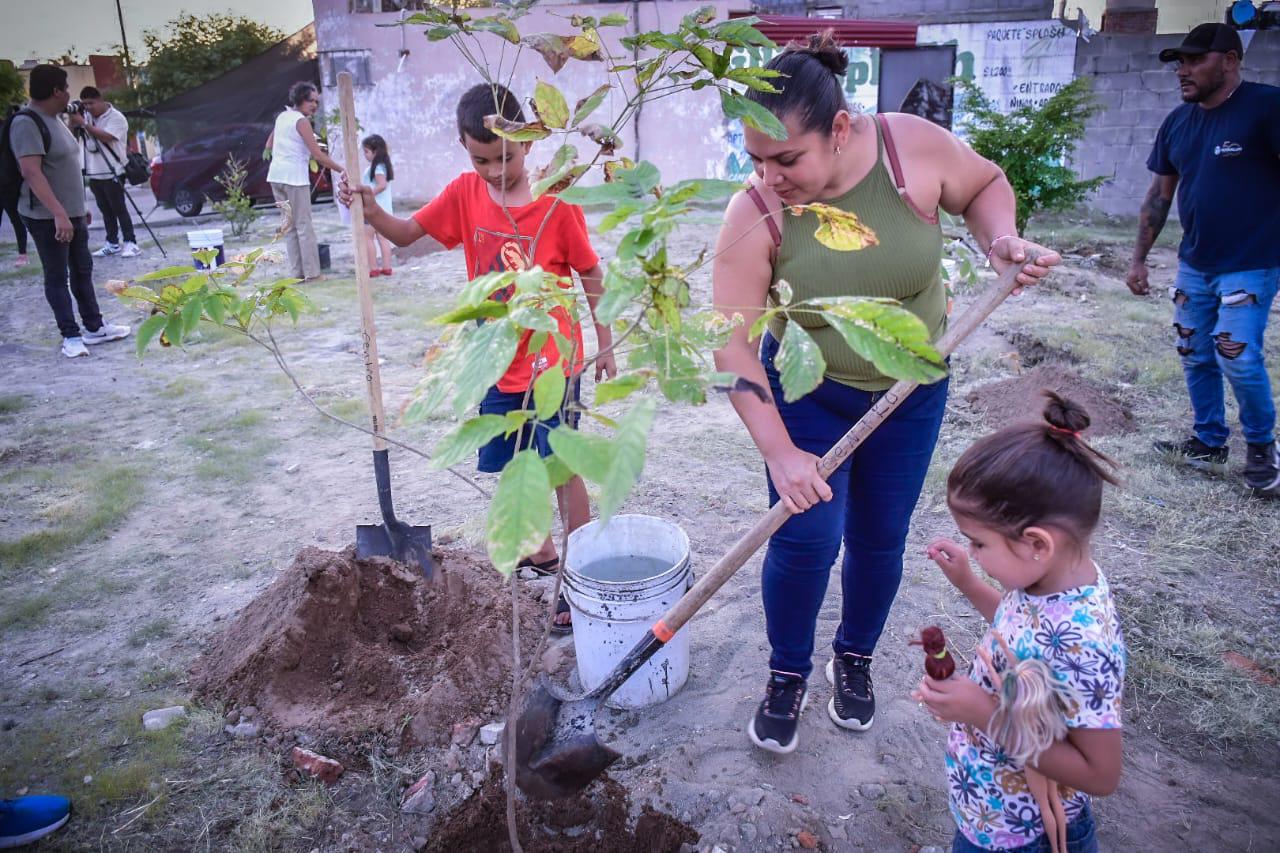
[{"x": 824, "y": 48}]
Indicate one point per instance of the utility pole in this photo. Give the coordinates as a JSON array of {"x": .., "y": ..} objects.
[{"x": 124, "y": 43}]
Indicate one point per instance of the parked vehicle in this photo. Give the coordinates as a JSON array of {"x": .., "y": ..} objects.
[{"x": 182, "y": 177}]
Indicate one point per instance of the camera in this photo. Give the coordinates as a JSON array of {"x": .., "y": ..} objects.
[{"x": 75, "y": 108}]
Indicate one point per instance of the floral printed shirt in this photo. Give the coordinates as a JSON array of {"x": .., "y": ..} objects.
[{"x": 1076, "y": 632}]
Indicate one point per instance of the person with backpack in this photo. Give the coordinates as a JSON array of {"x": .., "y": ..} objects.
[
  {"x": 40, "y": 155},
  {"x": 104, "y": 132},
  {"x": 9, "y": 207}
]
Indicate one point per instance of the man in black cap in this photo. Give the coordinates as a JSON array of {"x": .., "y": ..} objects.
[{"x": 1221, "y": 151}]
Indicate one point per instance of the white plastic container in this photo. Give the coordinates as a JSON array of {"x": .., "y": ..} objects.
[
  {"x": 610, "y": 616},
  {"x": 207, "y": 238}
]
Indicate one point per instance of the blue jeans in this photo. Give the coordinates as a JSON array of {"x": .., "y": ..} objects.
[
  {"x": 1082, "y": 837},
  {"x": 1219, "y": 324},
  {"x": 873, "y": 495}
]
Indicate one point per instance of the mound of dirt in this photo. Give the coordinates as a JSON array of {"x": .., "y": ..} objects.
[
  {"x": 596, "y": 819},
  {"x": 1020, "y": 398},
  {"x": 338, "y": 645}
]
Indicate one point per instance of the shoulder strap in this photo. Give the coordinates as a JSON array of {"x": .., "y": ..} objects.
[
  {"x": 754, "y": 195},
  {"x": 892, "y": 151}
]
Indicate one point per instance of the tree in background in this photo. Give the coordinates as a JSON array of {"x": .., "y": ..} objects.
[
  {"x": 1032, "y": 144},
  {"x": 12, "y": 89},
  {"x": 191, "y": 50}
]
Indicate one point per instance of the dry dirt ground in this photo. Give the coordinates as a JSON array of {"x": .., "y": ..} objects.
[{"x": 144, "y": 503}]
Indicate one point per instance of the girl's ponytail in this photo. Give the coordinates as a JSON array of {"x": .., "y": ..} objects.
[{"x": 1065, "y": 422}]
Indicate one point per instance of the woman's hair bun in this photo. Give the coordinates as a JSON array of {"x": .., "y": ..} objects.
[
  {"x": 824, "y": 48},
  {"x": 1064, "y": 414}
]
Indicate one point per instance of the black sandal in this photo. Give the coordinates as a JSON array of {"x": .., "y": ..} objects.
[
  {"x": 545, "y": 569},
  {"x": 562, "y": 606}
]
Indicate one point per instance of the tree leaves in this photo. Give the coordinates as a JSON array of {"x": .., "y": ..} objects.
[
  {"x": 553, "y": 48},
  {"x": 519, "y": 517},
  {"x": 550, "y": 105},
  {"x": 473, "y": 434},
  {"x": 559, "y": 173},
  {"x": 588, "y": 105},
  {"x": 800, "y": 363},
  {"x": 613, "y": 465},
  {"x": 484, "y": 354},
  {"x": 753, "y": 115},
  {"x": 896, "y": 341},
  {"x": 517, "y": 131},
  {"x": 548, "y": 392},
  {"x": 149, "y": 329},
  {"x": 603, "y": 136},
  {"x": 838, "y": 229},
  {"x": 499, "y": 25},
  {"x": 620, "y": 388}
]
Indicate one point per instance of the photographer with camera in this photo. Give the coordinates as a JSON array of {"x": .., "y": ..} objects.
[
  {"x": 51, "y": 203},
  {"x": 103, "y": 131}
]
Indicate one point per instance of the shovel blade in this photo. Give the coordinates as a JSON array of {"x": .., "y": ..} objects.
[
  {"x": 557, "y": 750},
  {"x": 404, "y": 543}
]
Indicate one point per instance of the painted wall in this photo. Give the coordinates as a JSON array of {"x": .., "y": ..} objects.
[
  {"x": 413, "y": 105},
  {"x": 1138, "y": 92}
]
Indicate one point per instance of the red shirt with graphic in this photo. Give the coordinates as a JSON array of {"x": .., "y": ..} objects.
[{"x": 465, "y": 213}]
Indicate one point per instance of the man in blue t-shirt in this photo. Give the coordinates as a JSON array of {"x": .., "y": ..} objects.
[{"x": 1221, "y": 151}]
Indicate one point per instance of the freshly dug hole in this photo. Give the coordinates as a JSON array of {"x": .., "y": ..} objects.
[
  {"x": 1018, "y": 399},
  {"x": 595, "y": 820},
  {"x": 337, "y": 646}
]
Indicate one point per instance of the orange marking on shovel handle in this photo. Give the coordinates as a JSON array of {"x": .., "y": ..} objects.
[{"x": 662, "y": 632}]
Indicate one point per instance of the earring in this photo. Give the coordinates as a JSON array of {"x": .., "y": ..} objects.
[
  {"x": 838, "y": 149},
  {"x": 1035, "y": 557}
]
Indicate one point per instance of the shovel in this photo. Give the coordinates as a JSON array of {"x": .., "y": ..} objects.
[
  {"x": 404, "y": 543},
  {"x": 557, "y": 751}
]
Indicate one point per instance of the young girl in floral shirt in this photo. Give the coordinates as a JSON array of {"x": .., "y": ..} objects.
[{"x": 1028, "y": 499}]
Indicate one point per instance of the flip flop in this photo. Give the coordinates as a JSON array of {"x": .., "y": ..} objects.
[
  {"x": 558, "y": 630},
  {"x": 544, "y": 569}
]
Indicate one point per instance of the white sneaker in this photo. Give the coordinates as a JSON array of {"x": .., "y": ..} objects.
[
  {"x": 130, "y": 250},
  {"x": 73, "y": 347},
  {"x": 108, "y": 332},
  {"x": 108, "y": 250}
]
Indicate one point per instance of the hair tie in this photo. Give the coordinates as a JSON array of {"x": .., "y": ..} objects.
[{"x": 1074, "y": 433}]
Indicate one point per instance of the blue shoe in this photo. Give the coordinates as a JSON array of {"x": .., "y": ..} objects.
[{"x": 26, "y": 820}]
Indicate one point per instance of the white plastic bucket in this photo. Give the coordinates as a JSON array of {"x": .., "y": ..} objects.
[
  {"x": 610, "y": 617},
  {"x": 206, "y": 238}
]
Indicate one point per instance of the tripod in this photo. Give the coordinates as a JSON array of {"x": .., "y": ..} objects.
[{"x": 124, "y": 190}]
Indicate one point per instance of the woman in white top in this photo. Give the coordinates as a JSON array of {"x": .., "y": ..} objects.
[
  {"x": 291, "y": 147},
  {"x": 379, "y": 175}
]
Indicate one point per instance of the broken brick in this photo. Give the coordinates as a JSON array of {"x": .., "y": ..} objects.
[{"x": 316, "y": 765}]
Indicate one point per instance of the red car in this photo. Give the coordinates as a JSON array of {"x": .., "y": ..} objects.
[{"x": 182, "y": 177}]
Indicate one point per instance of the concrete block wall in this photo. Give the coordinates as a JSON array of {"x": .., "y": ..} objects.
[
  {"x": 949, "y": 11},
  {"x": 1137, "y": 92}
]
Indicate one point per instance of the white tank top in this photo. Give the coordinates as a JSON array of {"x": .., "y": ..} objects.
[{"x": 289, "y": 154}]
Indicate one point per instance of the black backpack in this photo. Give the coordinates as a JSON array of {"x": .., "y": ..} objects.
[{"x": 10, "y": 172}]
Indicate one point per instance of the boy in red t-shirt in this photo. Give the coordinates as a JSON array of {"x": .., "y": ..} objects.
[{"x": 470, "y": 211}]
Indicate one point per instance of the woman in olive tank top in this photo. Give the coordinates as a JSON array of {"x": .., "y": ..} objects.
[{"x": 894, "y": 171}]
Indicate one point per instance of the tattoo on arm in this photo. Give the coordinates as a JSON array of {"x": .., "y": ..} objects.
[{"x": 1151, "y": 219}]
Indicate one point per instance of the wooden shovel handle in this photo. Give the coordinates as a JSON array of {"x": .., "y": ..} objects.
[
  {"x": 682, "y": 611},
  {"x": 368, "y": 331}
]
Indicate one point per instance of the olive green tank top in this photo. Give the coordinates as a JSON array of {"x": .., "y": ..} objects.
[{"x": 906, "y": 266}]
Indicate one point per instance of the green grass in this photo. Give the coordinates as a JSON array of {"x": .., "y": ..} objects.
[
  {"x": 27, "y": 612},
  {"x": 98, "y": 498},
  {"x": 11, "y": 404},
  {"x": 232, "y": 449}
]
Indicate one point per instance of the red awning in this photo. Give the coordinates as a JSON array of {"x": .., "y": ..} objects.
[{"x": 785, "y": 28}]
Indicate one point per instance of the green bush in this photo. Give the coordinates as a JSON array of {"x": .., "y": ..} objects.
[
  {"x": 1032, "y": 144},
  {"x": 236, "y": 208}
]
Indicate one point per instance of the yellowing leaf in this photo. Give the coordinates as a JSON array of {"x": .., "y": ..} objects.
[
  {"x": 550, "y": 104},
  {"x": 517, "y": 131},
  {"x": 586, "y": 46},
  {"x": 838, "y": 229}
]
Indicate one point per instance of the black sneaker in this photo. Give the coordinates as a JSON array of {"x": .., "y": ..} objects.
[
  {"x": 1262, "y": 469},
  {"x": 853, "y": 706},
  {"x": 1196, "y": 453},
  {"x": 778, "y": 717}
]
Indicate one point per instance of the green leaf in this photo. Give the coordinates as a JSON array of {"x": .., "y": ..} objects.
[
  {"x": 149, "y": 329},
  {"x": 487, "y": 310},
  {"x": 470, "y": 436},
  {"x": 586, "y": 455},
  {"x": 620, "y": 291},
  {"x": 520, "y": 513},
  {"x": 485, "y": 354},
  {"x": 629, "y": 444},
  {"x": 517, "y": 131},
  {"x": 889, "y": 336},
  {"x": 800, "y": 363},
  {"x": 598, "y": 194},
  {"x": 588, "y": 105},
  {"x": 700, "y": 15},
  {"x": 753, "y": 115},
  {"x": 173, "y": 329},
  {"x": 499, "y": 25},
  {"x": 560, "y": 170},
  {"x": 548, "y": 392},
  {"x": 754, "y": 77},
  {"x": 701, "y": 189},
  {"x": 617, "y": 19},
  {"x": 620, "y": 388},
  {"x": 621, "y": 213},
  {"x": 558, "y": 473},
  {"x": 191, "y": 316},
  {"x": 550, "y": 105},
  {"x": 534, "y": 317},
  {"x": 167, "y": 272},
  {"x": 758, "y": 327},
  {"x": 441, "y": 33},
  {"x": 216, "y": 307},
  {"x": 782, "y": 292}
]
